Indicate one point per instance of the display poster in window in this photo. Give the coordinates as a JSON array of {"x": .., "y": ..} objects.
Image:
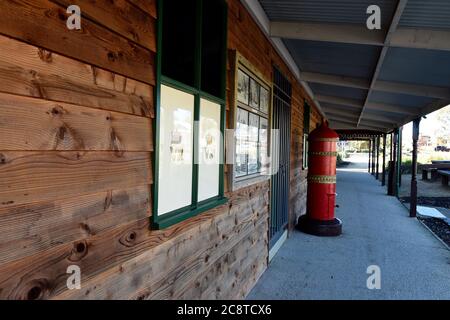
[
  {"x": 241, "y": 143},
  {"x": 263, "y": 145},
  {"x": 264, "y": 100},
  {"x": 253, "y": 138},
  {"x": 175, "y": 150},
  {"x": 254, "y": 94},
  {"x": 209, "y": 150},
  {"x": 305, "y": 151},
  {"x": 243, "y": 84}
]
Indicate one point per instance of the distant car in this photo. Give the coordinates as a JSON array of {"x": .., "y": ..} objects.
[{"x": 442, "y": 148}]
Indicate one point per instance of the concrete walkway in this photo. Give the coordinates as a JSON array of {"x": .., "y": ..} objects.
[{"x": 376, "y": 231}]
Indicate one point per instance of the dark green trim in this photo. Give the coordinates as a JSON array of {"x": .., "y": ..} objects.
[
  {"x": 171, "y": 218},
  {"x": 182, "y": 214},
  {"x": 156, "y": 125}
]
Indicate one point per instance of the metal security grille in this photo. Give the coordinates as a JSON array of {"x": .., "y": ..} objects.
[{"x": 281, "y": 120}]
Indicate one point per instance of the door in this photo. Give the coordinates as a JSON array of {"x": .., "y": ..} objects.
[{"x": 281, "y": 121}]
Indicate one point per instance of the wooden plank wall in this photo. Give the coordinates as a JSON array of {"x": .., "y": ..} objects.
[{"x": 76, "y": 118}]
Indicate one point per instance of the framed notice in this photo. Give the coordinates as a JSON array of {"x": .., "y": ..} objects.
[
  {"x": 175, "y": 149},
  {"x": 209, "y": 150},
  {"x": 243, "y": 85}
]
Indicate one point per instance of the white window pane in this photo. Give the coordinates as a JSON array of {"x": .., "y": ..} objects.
[
  {"x": 175, "y": 150},
  {"x": 263, "y": 145},
  {"x": 253, "y": 143},
  {"x": 209, "y": 150},
  {"x": 241, "y": 143}
]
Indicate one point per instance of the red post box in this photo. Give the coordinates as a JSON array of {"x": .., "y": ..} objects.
[{"x": 321, "y": 201}]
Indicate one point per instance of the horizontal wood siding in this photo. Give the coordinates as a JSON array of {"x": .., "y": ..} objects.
[{"x": 76, "y": 150}]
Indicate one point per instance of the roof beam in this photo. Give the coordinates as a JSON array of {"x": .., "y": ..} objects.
[
  {"x": 353, "y": 119},
  {"x": 363, "y": 125},
  {"x": 394, "y": 23},
  {"x": 355, "y": 34},
  {"x": 336, "y": 124},
  {"x": 377, "y": 106},
  {"x": 344, "y": 33},
  {"x": 421, "y": 39},
  {"x": 335, "y": 80},
  {"x": 412, "y": 89},
  {"x": 339, "y": 101},
  {"x": 387, "y": 86},
  {"x": 368, "y": 116}
]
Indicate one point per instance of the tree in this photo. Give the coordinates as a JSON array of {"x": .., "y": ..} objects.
[{"x": 442, "y": 131}]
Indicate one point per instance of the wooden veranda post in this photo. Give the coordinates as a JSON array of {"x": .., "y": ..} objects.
[
  {"x": 373, "y": 156},
  {"x": 415, "y": 138},
  {"x": 377, "y": 166},
  {"x": 383, "y": 178}
]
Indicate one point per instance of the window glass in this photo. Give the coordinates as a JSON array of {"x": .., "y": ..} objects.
[
  {"x": 263, "y": 145},
  {"x": 264, "y": 100},
  {"x": 213, "y": 46},
  {"x": 179, "y": 41},
  {"x": 253, "y": 137},
  {"x": 209, "y": 150},
  {"x": 252, "y": 124},
  {"x": 254, "y": 94},
  {"x": 241, "y": 142},
  {"x": 175, "y": 149},
  {"x": 243, "y": 87}
]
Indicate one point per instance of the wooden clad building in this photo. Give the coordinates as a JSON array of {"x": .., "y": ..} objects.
[{"x": 84, "y": 129}]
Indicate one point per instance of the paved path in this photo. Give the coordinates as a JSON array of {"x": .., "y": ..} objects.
[{"x": 376, "y": 231}]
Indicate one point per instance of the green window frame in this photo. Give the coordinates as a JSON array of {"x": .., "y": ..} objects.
[{"x": 164, "y": 220}]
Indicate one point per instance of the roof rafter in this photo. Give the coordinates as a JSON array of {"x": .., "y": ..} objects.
[
  {"x": 375, "y": 106},
  {"x": 379, "y": 85},
  {"x": 394, "y": 23},
  {"x": 354, "y": 34}
]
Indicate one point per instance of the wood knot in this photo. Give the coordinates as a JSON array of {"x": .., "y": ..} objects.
[
  {"x": 57, "y": 111},
  {"x": 35, "y": 290},
  {"x": 79, "y": 250},
  {"x": 129, "y": 239},
  {"x": 112, "y": 56},
  {"x": 2, "y": 159},
  {"x": 45, "y": 55},
  {"x": 131, "y": 236}
]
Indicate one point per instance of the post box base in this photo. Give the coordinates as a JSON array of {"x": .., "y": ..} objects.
[{"x": 322, "y": 228}]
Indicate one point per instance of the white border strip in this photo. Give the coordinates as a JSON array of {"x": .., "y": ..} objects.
[
  {"x": 277, "y": 246},
  {"x": 259, "y": 15}
]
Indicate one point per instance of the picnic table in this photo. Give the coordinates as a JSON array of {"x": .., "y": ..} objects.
[
  {"x": 433, "y": 170},
  {"x": 445, "y": 174}
]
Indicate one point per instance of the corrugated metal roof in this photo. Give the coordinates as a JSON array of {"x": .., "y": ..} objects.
[
  {"x": 419, "y": 66},
  {"x": 426, "y": 14},
  {"x": 334, "y": 58},
  {"x": 342, "y": 92},
  {"x": 327, "y": 11},
  {"x": 400, "y": 99}
]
